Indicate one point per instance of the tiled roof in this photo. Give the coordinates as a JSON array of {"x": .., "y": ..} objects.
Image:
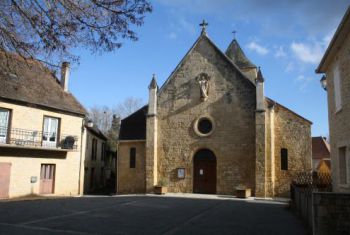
[
  {"x": 320, "y": 148},
  {"x": 29, "y": 81},
  {"x": 133, "y": 127}
]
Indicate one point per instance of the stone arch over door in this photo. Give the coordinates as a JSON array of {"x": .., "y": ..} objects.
[{"x": 204, "y": 172}]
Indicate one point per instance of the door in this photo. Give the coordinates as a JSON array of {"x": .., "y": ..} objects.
[
  {"x": 50, "y": 132},
  {"x": 204, "y": 169},
  {"x": 5, "y": 172},
  {"x": 4, "y": 122},
  {"x": 47, "y": 178}
]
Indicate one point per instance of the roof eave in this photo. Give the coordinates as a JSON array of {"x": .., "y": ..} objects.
[{"x": 342, "y": 30}]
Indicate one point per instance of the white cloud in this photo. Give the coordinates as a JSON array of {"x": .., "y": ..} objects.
[
  {"x": 187, "y": 26},
  {"x": 290, "y": 67},
  {"x": 303, "y": 82},
  {"x": 253, "y": 46},
  {"x": 172, "y": 35},
  {"x": 307, "y": 53},
  {"x": 280, "y": 53}
]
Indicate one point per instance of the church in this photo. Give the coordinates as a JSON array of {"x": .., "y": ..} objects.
[{"x": 210, "y": 129}]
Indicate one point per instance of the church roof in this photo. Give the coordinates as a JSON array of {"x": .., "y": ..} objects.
[
  {"x": 133, "y": 127},
  {"x": 236, "y": 54},
  {"x": 204, "y": 36}
]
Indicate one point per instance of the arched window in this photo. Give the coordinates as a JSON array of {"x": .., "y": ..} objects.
[{"x": 284, "y": 159}]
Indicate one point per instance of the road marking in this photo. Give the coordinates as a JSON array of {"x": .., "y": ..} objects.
[
  {"x": 79, "y": 213},
  {"x": 177, "y": 227},
  {"x": 43, "y": 229}
]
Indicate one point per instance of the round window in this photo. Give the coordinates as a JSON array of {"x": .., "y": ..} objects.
[{"x": 204, "y": 126}]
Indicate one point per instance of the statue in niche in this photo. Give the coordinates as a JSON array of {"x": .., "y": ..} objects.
[{"x": 203, "y": 81}]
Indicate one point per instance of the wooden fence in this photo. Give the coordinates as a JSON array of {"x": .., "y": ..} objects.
[{"x": 302, "y": 189}]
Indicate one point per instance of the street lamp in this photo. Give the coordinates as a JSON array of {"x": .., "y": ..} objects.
[{"x": 323, "y": 82}]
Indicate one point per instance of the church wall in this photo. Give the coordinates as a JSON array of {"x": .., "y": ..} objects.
[
  {"x": 131, "y": 180},
  {"x": 294, "y": 134},
  {"x": 231, "y": 104}
]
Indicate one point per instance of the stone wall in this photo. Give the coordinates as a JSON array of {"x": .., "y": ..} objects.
[
  {"x": 339, "y": 120},
  {"x": 97, "y": 164},
  {"x": 26, "y": 163},
  {"x": 294, "y": 134},
  {"x": 231, "y": 104},
  {"x": 131, "y": 180},
  {"x": 331, "y": 213}
]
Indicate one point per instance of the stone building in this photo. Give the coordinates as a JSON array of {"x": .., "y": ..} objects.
[
  {"x": 41, "y": 138},
  {"x": 209, "y": 129},
  {"x": 95, "y": 167},
  {"x": 335, "y": 64},
  {"x": 321, "y": 157}
]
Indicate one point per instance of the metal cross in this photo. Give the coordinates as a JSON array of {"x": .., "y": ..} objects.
[
  {"x": 204, "y": 25},
  {"x": 234, "y": 34}
]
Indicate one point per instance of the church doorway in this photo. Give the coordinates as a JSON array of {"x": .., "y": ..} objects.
[{"x": 204, "y": 172}]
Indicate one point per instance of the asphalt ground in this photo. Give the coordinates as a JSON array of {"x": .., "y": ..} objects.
[{"x": 147, "y": 215}]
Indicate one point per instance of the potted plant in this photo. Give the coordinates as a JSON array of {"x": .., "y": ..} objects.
[
  {"x": 243, "y": 192},
  {"x": 161, "y": 187}
]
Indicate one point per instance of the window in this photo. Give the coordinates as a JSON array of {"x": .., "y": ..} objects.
[
  {"x": 205, "y": 126},
  {"x": 337, "y": 88},
  {"x": 103, "y": 152},
  {"x": 342, "y": 165},
  {"x": 93, "y": 149},
  {"x": 50, "y": 131},
  {"x": 4, "y": 124},
  {"x": 284, "y": 159},
  {"x": 132, "y": 157}
]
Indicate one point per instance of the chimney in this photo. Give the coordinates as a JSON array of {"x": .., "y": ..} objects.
[
  {"x": 116, "y": 125},
  {"x": 65, "y": 69},
  {"x": 260, "y": 97},
  {"x": 152, "y": 102}
]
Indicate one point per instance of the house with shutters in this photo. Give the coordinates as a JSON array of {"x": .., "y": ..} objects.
[
  {"x": 42, "y": 137},
  {"x": 210, "y": 129}
]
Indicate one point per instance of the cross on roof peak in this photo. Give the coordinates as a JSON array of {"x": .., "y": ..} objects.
[
  {"x": 234, "y": 34},
  {"x": 204, "y": 25}
]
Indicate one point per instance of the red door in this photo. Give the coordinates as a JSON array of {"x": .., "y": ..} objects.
[
  {"x": 47, "y": 178},
  {"x": 204, "y": 167},
  {"x": 5, "y": 172}
]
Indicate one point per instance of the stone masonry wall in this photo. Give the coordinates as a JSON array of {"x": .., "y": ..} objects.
[
  {"x": 131, "y": 180},
  {"x": 331, "y": 213},
  {"x": 339, "y": 121},
  {"x": 231, "y": 104},
  {"x": 294, "y": 134}
]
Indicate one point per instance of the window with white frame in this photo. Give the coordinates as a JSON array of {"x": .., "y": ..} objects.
[
  {"x": 50, "y": 131},
  {"x": 4, "y": 124},
  {"x": 342, "y": 165},
  {"x": 337, "y": 88}
]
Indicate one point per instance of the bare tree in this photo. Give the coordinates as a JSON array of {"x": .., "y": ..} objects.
[
  {"x": 102, "y": 115},
  {"x": 127, "y": 107},
  {"x": 47, "y": 30}
]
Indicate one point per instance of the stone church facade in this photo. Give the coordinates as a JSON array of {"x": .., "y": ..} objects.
[{"x": 209, "y": 129}]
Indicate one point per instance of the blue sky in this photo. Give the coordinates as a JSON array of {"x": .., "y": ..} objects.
[{"x": 286, "y": 38}]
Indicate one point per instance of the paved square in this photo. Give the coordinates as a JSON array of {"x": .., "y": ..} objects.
[{"x": 146, "y": 215}]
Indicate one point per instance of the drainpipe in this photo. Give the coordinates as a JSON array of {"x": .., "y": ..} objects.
[{"x": 81, "y": 153}]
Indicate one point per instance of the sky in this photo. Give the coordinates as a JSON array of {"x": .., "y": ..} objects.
[{"x": 287, "y": 38}]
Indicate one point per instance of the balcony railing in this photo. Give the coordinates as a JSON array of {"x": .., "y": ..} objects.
[{"x": 37, "y": 139}]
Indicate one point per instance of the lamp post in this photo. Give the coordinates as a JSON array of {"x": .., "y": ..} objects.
[{"x": 323, "y": 82}]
